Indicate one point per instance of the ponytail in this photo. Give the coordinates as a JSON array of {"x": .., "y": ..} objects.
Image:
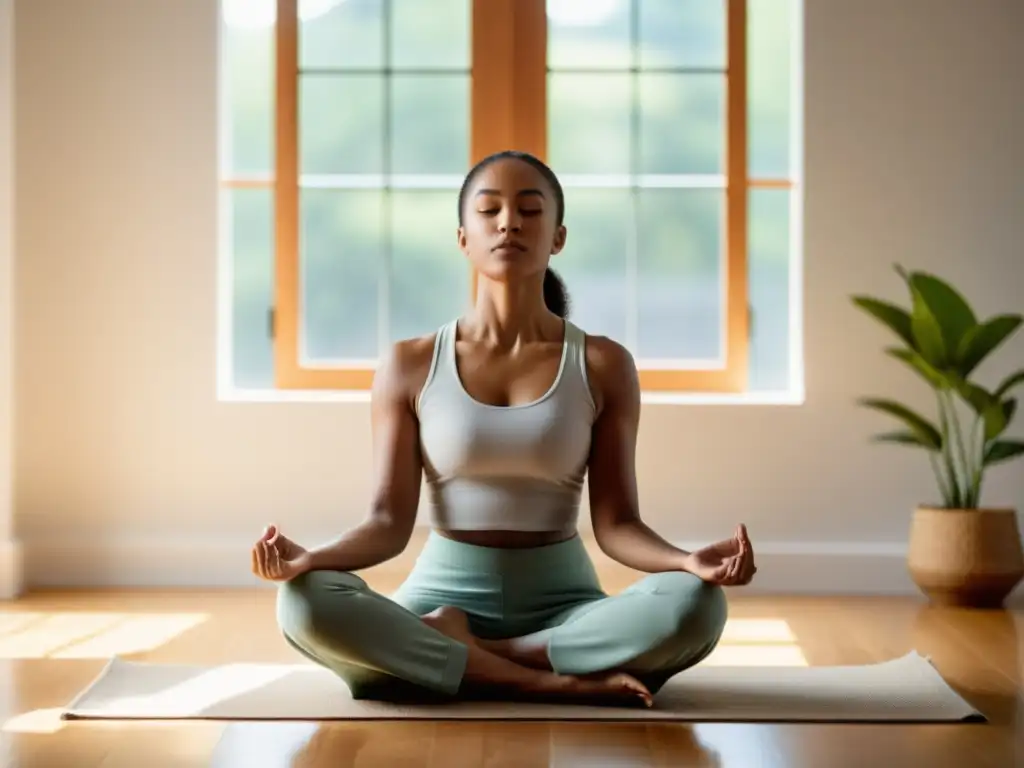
[{"x": 556, "y": 295}]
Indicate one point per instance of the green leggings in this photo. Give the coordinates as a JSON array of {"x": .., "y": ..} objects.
[{"x": 659, "y": 626}]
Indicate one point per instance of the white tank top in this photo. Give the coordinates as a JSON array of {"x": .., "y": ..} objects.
[{"x": 516, "y": 468}]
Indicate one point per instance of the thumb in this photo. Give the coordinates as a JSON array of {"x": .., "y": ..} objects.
[{"x": 269, "y": 533}]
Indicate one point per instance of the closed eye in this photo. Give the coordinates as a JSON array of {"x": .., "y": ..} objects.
[{"x": 528, "y": 212}]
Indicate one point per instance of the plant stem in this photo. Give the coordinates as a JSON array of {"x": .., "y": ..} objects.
[
  {"x": 947, "y": 454},
  {"x": 978, "y": 449},
  {"x": 965, "y": 461},
  {"x": 937, "y": 469}
]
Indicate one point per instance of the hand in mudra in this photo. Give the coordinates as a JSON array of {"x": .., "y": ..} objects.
[
  {"x": 728, "y": 563},
  {"x": 275, "y": 557}
]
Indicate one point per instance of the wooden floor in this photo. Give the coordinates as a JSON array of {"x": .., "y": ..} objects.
[{"x": 53, "y": 644}]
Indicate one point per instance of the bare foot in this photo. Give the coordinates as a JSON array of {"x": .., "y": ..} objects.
[
  {"x": 451, "y": 622},
  {"x": 533, "y": 655},
  {"x": 607, "y": 688}
]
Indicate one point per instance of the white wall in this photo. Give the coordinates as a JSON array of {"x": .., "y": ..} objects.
[
  {"x": 10, "y": 564},
  {"x": 130, "y": 471}
]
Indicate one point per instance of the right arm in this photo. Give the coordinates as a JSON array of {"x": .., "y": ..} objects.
[{"x": 397, "y": 464}]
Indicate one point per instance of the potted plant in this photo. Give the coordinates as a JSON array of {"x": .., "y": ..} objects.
[{"x": 960, "y": 552}]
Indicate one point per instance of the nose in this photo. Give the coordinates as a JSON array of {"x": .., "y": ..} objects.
[{"x": 510, "y": 221}]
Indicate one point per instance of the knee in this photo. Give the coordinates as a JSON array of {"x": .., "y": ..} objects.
[
  {"x": 696, "y": 610},
  {"x": 316, "y": 605}
]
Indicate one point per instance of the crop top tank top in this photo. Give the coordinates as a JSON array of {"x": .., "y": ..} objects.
[{"x": 517, "y": 468}]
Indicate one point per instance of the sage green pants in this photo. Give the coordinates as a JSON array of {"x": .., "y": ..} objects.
[{"x": 662, "y": 624}]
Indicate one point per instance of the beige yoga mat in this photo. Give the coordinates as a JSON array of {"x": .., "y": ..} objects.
[{"x": 905, "y": 689}]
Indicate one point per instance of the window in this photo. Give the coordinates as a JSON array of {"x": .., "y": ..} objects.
[{"x": 348, "y": 126}]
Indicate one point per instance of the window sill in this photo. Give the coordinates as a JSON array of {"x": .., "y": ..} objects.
[{"x": 231, "y": 395}]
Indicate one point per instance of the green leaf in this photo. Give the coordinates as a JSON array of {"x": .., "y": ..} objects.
[
  {"x": 905, "y": 438},
  {"x": 977, "y": 397},
  {"x": 893, "y": 317},
  {"x": 930, "y": 374},
  {"x": 954, "y": 315},
  {"x": 1009, "y": 383},
  {"x": 927, "y": 331},
  {"x": 1001, "y": 450},
  {"x": 979, "y": 342},
  {"x": 920, "y": 426},
  {"x": 997, "y": 418}
]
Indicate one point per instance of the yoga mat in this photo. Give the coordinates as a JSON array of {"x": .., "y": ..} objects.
[{"x": 904, "y": 689}]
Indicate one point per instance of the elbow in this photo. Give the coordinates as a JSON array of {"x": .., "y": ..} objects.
[
  {"x": 392, "y": 531},
  {"x": 608, "y": 530}
]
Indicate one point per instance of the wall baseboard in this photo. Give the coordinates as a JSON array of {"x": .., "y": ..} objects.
[
  {"x": 12, "y": 582},
  {"x": 161, "y": 562}
]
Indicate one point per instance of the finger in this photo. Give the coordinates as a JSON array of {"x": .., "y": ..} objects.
[
  {"x": 750, "y": 576},
  {"x": 258, "y": 559},
  {"x": 276, "y": 565},
  {"x": 742, "y": 562},
  {"x": 751, "y": 567},
  {"x": 254, "y": 565},
  {"x": 719, "y": 575},
  {"x": 261, "y": 560},
  {"x": 748, "y": 571},
  {"x": 732, "y": 571},
  {"x": 268, "y": 554}
]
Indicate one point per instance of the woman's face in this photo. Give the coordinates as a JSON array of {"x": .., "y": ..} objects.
[{"x": 509, "y": 228}]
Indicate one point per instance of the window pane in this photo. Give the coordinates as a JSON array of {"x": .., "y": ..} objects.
[
  {"x": 341, "y": 123},
  {"x": 430, "y": 278},
  {"x": 588, "y": 123},
  {"x": 248, "y": 60},
  {"x": 589, "y": 33},
  {"x": 430, "y": 124},
  {"x": 593, "y": 262},
  {"x": 682, "y": 123},
  {"x": 769, "y": 266},
  {"x": 251, "y": 240},
  {"x": 430, "y": 34},
  {"x": 682, "y": 33},
  {"x": 341, "y": 33},
  {"x": 770, "y": 33},
  {"x": 680, "y": 276},
  {"x": 340, "y": 259}
]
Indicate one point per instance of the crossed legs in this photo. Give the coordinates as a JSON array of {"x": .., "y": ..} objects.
[{"x": 661, "y": 625}]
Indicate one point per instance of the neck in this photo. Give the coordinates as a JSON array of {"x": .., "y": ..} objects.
[{"x": 511, "y": 313}]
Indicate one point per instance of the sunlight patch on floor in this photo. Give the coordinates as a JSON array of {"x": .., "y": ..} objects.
[
  {"x": 757, "y": 643},
  {"x": 36, "y": 721},
  {"x": 199, "y": 693},
  {"x": 89, "y": 635}
]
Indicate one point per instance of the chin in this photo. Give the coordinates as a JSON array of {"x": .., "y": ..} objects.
[
  {"x": 505, "y": 273},
  {"x": 513, "y": 267}
]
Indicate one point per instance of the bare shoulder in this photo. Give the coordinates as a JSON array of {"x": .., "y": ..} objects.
[
  {"x": 612, "y": 371},
  {"x": 403, "y": 370}
]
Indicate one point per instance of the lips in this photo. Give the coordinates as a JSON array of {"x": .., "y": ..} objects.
[{"x": 506, "y": 245}]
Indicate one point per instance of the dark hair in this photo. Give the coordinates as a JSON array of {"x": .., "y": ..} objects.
[{"x": 556, "y": 295}]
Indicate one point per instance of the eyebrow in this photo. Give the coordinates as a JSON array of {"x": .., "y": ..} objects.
[{"x": 521, "y": 192}]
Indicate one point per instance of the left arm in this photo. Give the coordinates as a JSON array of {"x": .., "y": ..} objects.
[{"x": 614, "y": 505}]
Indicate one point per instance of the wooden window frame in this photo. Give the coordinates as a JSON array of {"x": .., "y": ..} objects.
[{"x": 508, "y": 110}]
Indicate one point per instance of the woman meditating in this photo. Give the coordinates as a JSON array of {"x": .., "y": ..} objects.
[{"x": 505, "y": 411}]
